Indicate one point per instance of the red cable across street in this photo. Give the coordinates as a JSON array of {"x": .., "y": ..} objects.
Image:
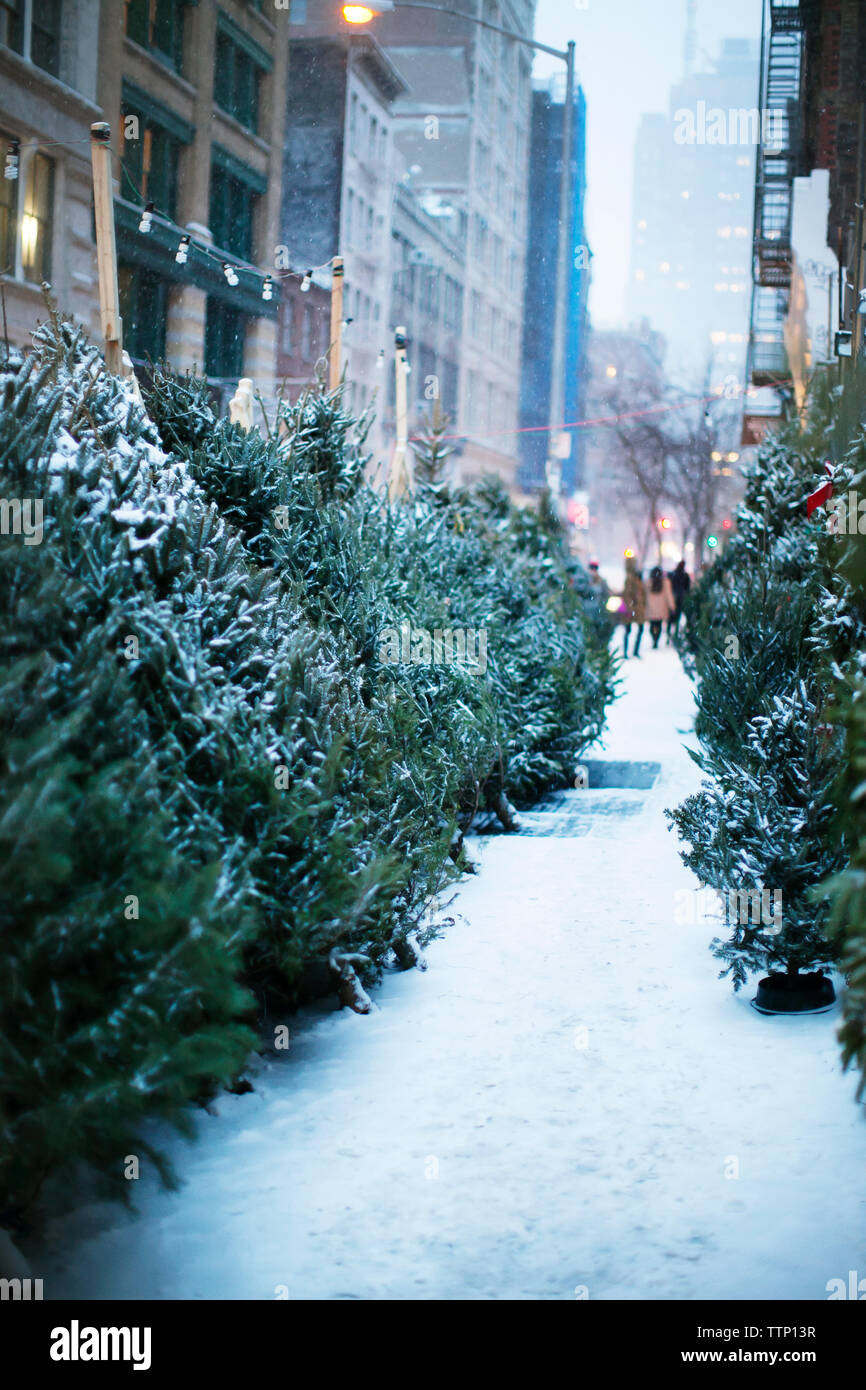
[{"x": 582, "y": 424}]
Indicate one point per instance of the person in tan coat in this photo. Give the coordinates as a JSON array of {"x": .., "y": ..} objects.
[
  {"x": 660, "y": 603},
  {"x": 634, "y": 598}
]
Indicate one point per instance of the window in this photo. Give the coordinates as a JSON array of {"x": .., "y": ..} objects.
[
  {"x": 231, "y": 213},
  {"x": 8, "y": 214},
  {"x": 236, "y": 82},
  {"x": 482, "y": 164},
  {"x": 151, "y": 164},
  {"x": 476, "y": 314},
  {"x": 36, "y": 36},
  {"x": 158, "y": 26},
  {"x": 36, "y": 219},
  {"x": 223, "y": 341},
  {"x": 353, "y": 124},
  {"x": 307, "y": 333},
  {"x": 288, "y": 327},
  {"x": 143, "y": 310}
]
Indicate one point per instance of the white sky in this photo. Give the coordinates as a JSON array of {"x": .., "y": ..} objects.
[{"x": 629, "y": 54}]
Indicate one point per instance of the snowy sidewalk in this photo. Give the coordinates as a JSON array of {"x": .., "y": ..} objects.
[{"x": 551, "y": 1108}]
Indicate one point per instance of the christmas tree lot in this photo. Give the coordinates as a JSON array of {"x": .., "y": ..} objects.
[
  {"x": 248, "y": 709},
  {"x": 776, "y": 637}
]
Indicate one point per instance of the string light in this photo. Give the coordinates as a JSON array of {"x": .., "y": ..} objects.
[
  {"x": 182, "y": 253},
  {"x": 146, "y": 222},
  {"x": 268, "y": 288},
  {"x": 10, "y": 168},
  {"x": 230, "y": 274},
  {"x": 306, "y": 282},
  {"x": 380, "y": 360}
]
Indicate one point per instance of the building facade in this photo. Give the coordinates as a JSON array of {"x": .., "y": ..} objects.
[
  {"x": 339, "y": 186},
  {"x": 48, "y": 101},
  {"x": 463, "y": 131},
  {"x": 194, "y": 96},
  {"x": 814, "y": 63},
  {"x": 539, "y": 310}
]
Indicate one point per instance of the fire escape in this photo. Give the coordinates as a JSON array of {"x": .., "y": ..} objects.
[{"x": 776, "y": 166}]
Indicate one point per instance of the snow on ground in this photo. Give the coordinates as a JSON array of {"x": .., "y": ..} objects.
[{"x": 549, "y": 1112}]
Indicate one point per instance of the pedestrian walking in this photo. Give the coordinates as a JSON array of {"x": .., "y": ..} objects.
[
  {"x": 660, "y": 603},
  {"x": 680, "y": 584},
  {"x": 634, "y": 598},
  {"x": 598, "y": 583}
]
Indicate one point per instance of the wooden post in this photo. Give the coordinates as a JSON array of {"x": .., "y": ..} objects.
[
  {"x": 399, "y": 464},
  {"x": 106, "y": 250},
  {"x": 336, "y": 323}
]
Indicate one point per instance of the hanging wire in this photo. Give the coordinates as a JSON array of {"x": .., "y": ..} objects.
[{"x": 235, "y": 263}]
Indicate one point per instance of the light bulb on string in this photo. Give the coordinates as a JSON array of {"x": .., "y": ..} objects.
[
  {"x": 181, "y": 255},
  {"x": 380, "y": 360},
  {"x": 268, "y": 288},
  {"x": 146, "y": 218},
  {"x": 230, "y": 274},
  {"x": 306, "y": 282},
  {"x": 10, "y": 167}
]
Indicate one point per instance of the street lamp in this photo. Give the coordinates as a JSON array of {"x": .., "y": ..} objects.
[{"x": 363, "y": 14}]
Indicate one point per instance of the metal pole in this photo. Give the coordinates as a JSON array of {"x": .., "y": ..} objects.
[
  {"x": 565, "y": 252},
  {"x": 106, "y": 250}
]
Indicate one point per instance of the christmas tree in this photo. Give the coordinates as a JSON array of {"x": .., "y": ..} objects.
[{"x": 769, "y": 627}]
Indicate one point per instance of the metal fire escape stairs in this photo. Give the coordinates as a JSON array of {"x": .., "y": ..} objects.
[{"x": 781, "y": 63}]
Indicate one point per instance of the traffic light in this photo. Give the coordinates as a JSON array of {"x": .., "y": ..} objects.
[
  {"x": 665, "y": 523},
  {"x": 628, "y": 553},
  {"x": 727, "y": 523},
  {"x": 712, "y": 542}
]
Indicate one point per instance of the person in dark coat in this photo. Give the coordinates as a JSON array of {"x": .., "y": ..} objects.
[
  {"x": 680, "y": 585},
  {"x": 634, "y": 598}
]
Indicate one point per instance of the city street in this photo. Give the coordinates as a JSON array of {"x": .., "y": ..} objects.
[{"x": 567, "y": 1104}]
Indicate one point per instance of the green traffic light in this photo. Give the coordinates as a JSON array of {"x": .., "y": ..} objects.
[{"x": 712, "y": 542}]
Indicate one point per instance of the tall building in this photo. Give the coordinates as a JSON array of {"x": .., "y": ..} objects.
[
  {"x": 692, "y": 215},
  {"x": 339, "y": 187},
  {"x": 539, "y": 311},
  {"x": 463, "y": 130},
  {"x": 48, "y": 100},
  {"x": 194, "y": 94}
]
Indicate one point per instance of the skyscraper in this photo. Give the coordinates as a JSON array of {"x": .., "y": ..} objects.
[
  {"x": 539, "y": 303},
  {"x": 692, "y": 216}
]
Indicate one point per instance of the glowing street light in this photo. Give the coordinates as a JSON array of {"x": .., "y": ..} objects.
[{"x": 361, "y": 14}]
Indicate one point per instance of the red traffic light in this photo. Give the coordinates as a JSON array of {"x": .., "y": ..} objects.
[{"x": 727, "y": 523}]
